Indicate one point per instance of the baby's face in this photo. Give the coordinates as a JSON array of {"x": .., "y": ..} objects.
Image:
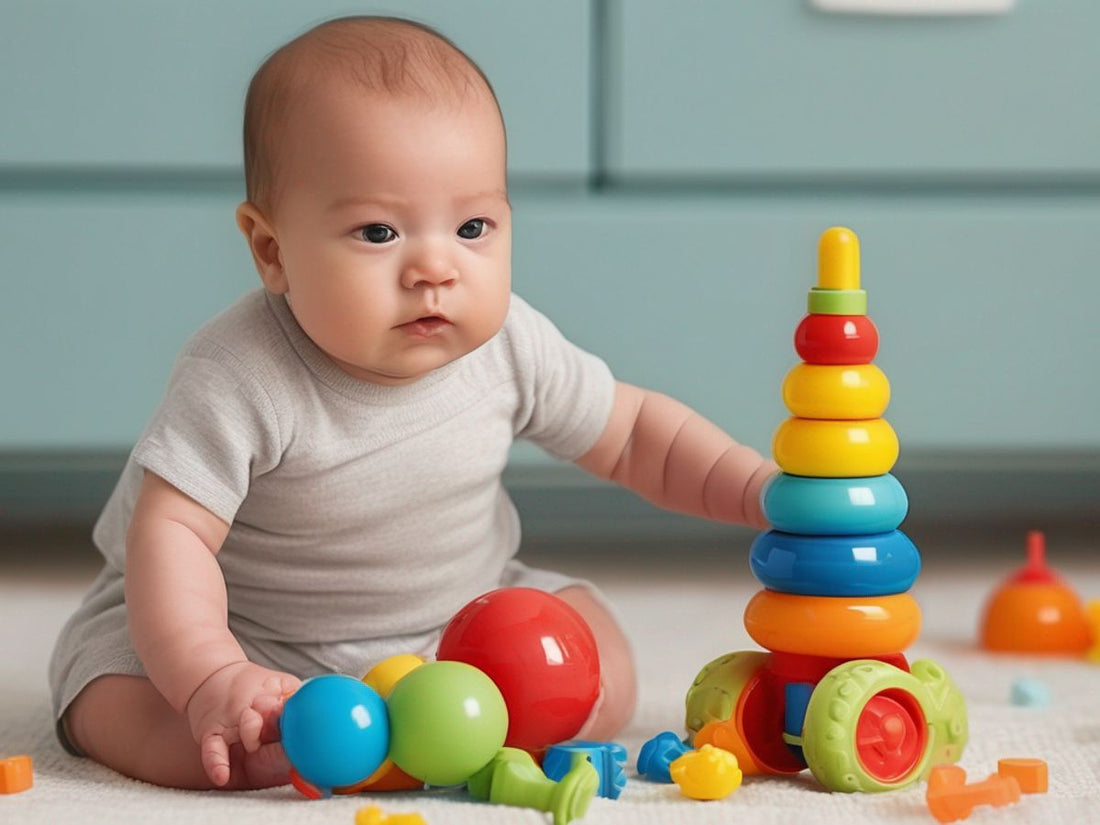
[{"x": 394, "y": 229}]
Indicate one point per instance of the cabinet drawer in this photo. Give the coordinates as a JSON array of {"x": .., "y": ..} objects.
[
  {"x": 778, "y": 88},
  {"x": 162, "y": 82},
  {"x": 987, "y": 313},
  {"x": 986, "y": 310}
]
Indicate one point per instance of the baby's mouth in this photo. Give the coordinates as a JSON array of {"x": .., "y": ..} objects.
[{"x": 426, "y": 326}]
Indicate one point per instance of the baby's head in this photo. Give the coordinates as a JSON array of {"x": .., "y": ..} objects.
[{"x": 377, "y": 195}]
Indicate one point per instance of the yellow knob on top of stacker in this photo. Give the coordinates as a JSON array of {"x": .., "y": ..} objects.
[{"x": 837, "y": 291}]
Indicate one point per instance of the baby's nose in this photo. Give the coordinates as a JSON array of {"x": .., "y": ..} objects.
[{"x": 432, "y": 269}]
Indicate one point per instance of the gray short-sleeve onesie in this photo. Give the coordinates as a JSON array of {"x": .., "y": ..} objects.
[{"x": 357, "y": 511}]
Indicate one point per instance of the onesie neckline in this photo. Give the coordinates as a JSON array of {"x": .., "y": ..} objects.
[{"x": 328, "y": 373}]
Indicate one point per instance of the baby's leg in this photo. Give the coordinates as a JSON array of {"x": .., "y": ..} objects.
[
  {"x": 618, "y": 680},
  {"x": 124, "y": 723}
]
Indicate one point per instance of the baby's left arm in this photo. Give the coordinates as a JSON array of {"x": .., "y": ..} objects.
[{"x": 672, "y": 456}]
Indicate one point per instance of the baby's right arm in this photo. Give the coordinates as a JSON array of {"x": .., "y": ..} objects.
[{"x": 178, "y": 615}]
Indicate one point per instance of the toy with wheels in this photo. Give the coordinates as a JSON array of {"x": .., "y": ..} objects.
[{"x": 833, "y": 693}]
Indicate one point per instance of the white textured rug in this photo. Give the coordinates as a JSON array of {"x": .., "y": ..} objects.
[{"x": 680, "y": 618}]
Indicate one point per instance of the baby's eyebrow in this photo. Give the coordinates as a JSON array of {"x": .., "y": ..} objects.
[
  {"x": 359, "y": 200},
  {"x": 496, "y": 193}
]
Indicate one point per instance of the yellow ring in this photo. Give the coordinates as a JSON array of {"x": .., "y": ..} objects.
[
  {"x": 849, "y": 391},
  {"x": 835, "y": 449},
  {"x": 848, "y": 628}
]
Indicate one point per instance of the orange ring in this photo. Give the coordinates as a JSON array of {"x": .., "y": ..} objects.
[{"x": 847, "y": 628}]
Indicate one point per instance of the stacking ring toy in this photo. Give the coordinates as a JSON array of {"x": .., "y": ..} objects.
[
  {"x": 845, "y": 628},
  {"x": 836, "y": 339},
  {"x": 835, "y": 449},
  {"x": 874, "y": 565},
  {"x": 847, "y": 392},
  {"x": 834, "y": 506}
]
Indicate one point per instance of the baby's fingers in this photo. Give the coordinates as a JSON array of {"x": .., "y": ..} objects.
[
  {"x": 282, "y": 684},
  {"x": 249, "y": 728},
  {"x": 215, "y": 758}
]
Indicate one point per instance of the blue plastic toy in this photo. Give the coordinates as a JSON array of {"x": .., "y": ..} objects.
[
  {"x": 658, "y": 753},
  {"x": 874, "y": 565},
  {"x": 335, "y": 731},
  {"x": 835, "y": 506},
  {"x": 1030, "y": 693},
  {"x": 608, "y": 759}
]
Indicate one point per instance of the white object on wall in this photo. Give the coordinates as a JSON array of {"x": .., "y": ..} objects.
[{"x": 915, "y": 7}]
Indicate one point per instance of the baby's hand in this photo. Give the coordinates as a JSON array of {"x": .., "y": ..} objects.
[{"x": 239, "y": 703}]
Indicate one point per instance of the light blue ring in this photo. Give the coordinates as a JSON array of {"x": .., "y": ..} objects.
[
  {"x": 834, "y": 506},
  {"x": 874, "y": 565}
]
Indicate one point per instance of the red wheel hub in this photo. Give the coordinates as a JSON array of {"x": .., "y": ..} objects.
[{"x": 891, "y": 735}]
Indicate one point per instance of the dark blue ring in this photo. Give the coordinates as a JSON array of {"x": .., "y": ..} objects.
[{"x": 873, "y": 565}]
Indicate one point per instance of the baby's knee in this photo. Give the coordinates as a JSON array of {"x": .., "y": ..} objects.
[{"x": 618, "y": 677}]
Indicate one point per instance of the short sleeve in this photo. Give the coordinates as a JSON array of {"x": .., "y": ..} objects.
[
  {"x": 215, "y": 430},
  {"x": 567, "y": 392}
]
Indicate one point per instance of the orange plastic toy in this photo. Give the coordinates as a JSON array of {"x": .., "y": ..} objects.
[
  {"x": 1030, "y": 774},
  {"x": 1035, "y": 611},
  {"x": 847, "y": 627},
  {"x": 949, "y": 798},
  {"x": 16, "y": 774}
]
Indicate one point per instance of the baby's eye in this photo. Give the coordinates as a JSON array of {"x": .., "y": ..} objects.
[
  {"x": 472, "y": 229},
  {"x": 377, "y": 233}
]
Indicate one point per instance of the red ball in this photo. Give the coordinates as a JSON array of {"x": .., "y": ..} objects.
[
  {"x": 836, "y": 339},
  {"x": 540, "y": 653}
]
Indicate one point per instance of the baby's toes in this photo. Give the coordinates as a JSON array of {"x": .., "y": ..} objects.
[{"x": 267, "y": 767}]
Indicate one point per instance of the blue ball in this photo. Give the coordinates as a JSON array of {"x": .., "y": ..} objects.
[
  {"x": 874, "y": 565},
  {"x": 834, "y": 506},
  {"x": 335, "y": 731}
]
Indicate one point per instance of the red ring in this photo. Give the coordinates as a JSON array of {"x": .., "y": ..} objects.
[{"x": 891, "y": 735}]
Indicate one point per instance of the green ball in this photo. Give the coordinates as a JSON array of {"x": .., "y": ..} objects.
[{"x": 447, "y": 722}]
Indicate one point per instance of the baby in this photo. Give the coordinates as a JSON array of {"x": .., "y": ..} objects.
[{"x": 321, "y": 486}]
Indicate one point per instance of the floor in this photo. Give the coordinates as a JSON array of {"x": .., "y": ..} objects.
[{"x": 682, "y": 607}]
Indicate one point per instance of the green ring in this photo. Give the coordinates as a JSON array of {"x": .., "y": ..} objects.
[{"x": 837, "y": 301}]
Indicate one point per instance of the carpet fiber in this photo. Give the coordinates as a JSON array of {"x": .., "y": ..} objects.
[{"x": 680, "y": 616}]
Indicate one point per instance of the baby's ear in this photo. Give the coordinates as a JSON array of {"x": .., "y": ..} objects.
[{"x": 264, "y": 247}]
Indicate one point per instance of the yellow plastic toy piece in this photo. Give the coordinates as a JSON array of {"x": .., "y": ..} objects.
[
  {"x": 708, "y": 773},
  {"x": 838, "y": 259},
  {"x": 16, "y": 774},
  {"x": 726, "y": 735},
  {"x": 848, "y": 628},
  {"x": 372, "y": 815},
  {"x": 387, "y": 673},
  {"x": 835, "y": 449},
  {"x": 848, "y": 392}
]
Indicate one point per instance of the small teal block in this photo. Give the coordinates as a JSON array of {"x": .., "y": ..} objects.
[
  {"x": 834, "y": 506},
  {"x": 607, "y": 758},
  {"x": 658, "y": 753},
  {"x": 1030, "y": 693},
  {"x": 872, "y": 565}
]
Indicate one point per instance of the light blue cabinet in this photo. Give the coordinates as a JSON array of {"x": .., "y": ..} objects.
[
  {"x": 731, "y": 134},
  {"x": 987, "y": 313},
  {"x": 140, "y": 83},
  {"x": 711, "y": 88}
]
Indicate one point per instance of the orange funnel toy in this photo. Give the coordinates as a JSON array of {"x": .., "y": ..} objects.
[{"x": 1035, "y": 611}]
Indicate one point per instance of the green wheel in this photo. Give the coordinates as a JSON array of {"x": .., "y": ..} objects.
[
  {"x": 871, "y": 727},
  {"x": 713, "y": 695},
  {"x": 946, "y": 712}
]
